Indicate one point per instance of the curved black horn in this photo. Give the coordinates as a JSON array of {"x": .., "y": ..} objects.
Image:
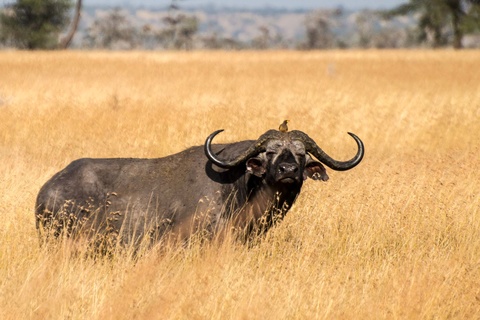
[
  {"x": 316, "y": 151},
  {"x": 254, "y": 149}
]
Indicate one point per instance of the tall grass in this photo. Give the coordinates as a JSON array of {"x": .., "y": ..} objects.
[{"x": 396, "y": 237}]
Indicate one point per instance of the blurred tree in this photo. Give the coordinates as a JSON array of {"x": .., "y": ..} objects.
[
  {"x": 179, "y": 30},
  {"x": 318, "y": 30},
  {"x": 319, "y": 26},
  {"x": 113, "y": 31},
  {"x": 372, "y": 32},
  {"x": 364, "y": 27},
  {"x": 264, "y": 40},
  {"x": 147, "y": 37},
  {"x": 67, "y": 40},
  {"x": 35, "y": 24},
  {"x": 435, "y": 15},
  {"x": 214, "y": 41}
]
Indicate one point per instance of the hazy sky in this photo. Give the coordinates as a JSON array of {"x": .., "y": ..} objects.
[{"x": 350, "y": 4}]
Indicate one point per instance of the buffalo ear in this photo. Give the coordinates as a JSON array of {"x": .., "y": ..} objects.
[
  {"x": 314, "y": 170},
  {"x": 256, "y": 166}
]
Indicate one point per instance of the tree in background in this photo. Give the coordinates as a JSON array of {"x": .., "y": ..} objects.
[
  {"x": 65, "y": 41},
  {"x": 215, "y": 42},
  {"x": 112, "y": 31},
  {"x": 371, "y": 31},
  {"x": 34, "y": 24},
  {"x": 318, "y": 26},
  {"x": 179, "y": 29},
  {"x": 436, "y": 16}
]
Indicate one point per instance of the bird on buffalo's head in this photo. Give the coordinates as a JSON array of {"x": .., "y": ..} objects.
[{"x": 283, "y": 127}]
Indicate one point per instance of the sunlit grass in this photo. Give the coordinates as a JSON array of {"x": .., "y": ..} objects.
[{"x": 396, "y": 237}]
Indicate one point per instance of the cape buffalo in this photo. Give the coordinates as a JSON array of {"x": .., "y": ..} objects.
[{"x": 244, "y": 186}]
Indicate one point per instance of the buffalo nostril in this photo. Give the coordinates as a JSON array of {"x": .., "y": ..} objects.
[{"x": 288, "y": 168}]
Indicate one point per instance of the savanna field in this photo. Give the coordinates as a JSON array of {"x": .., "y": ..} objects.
[{"x": 397, "y": 237}]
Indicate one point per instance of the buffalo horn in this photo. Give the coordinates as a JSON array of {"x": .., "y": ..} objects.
[
  {"x": 254, "y": 149},
  {"x": 312, "y": 148}
]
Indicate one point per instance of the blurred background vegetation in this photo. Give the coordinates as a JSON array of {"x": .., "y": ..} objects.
[{"x": 60, "y": 24}]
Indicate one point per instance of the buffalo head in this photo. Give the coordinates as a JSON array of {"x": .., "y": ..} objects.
[
  {"x": 276, "y": 165},
  {"x": 285, "y": 157}
]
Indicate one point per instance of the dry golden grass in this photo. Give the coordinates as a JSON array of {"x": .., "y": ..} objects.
[{"x": 396, "y": 237}]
